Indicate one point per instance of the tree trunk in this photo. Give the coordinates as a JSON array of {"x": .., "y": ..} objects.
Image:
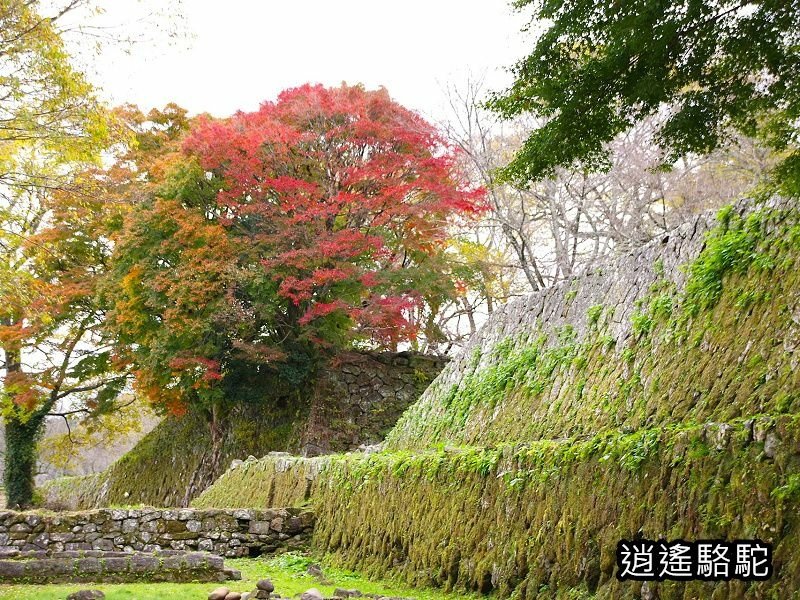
[
  {"x": 217, "y": 430},
  {"x": 210, "y": 466},
  {"x": 22, "y": 434},
  {"x": 20, "y": 459}
]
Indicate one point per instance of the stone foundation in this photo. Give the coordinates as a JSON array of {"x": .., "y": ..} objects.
[
  {"x": 112, "y": 567},
  {"x": 225, "y": 532}
]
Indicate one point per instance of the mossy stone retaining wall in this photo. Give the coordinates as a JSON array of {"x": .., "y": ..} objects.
[
  {"x": 656, "y": 396},
  {"x": 275, "y": 480},
  {"x": 543, "y": 520},
  {"x": 356, "y": 401},
  {"x": 634, "y": 343}
]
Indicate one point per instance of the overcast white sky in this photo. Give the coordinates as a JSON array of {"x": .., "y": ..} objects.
[{"x": 242, "y": 52}]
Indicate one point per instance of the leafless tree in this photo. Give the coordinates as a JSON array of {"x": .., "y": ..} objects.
[{"x": 556, "y": 227}]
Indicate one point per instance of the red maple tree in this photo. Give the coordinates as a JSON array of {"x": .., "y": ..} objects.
[
  {"x": 347, "y": 193},
  {"x": 317, "y": 221}
]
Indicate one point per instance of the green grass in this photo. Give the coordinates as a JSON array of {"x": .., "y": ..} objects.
[{"x": 287, "y": 572}]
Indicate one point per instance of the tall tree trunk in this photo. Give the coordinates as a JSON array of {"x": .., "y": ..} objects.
[
  {"x": 217, "y": 430},
  {"x": 20, "y": 460},
  {"x": 210, "y": 466},
  {"x": 23, "y": 428},
  {"x": 22, "y": 433}
]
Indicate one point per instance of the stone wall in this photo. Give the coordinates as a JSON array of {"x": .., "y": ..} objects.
[
  {"x": 71, "y": 566},
  {"x": 355, "y": 401},
  {"x": 274, "y": 480},
  {"x": 225, "y": 532},
  {"x": 701, "y": 324},
  {"x": 361, "y": 397},
  {"x": 655, "y": 397}
]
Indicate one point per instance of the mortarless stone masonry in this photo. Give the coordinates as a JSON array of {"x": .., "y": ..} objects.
[
  {"x": 112, "y": 567},
  {"x": 228, "y": 533}
]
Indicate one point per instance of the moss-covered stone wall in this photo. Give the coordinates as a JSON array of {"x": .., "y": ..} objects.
[
  {"x": 355, "y": 401},
  {"x": 171, "y": 465},
  {"x": 543, "y": 520},
  {"x": 275, "y": 480},
  {"x": 633, "y": 344},
  {"x": 657, "y": 396}
]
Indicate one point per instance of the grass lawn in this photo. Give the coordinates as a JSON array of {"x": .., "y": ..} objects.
[{"x": 287, "y": 571}]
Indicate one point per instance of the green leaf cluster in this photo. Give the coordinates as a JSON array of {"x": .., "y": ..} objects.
[{"x": 709, "y": 68}]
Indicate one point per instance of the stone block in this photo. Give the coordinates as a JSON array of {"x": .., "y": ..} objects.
[
  {"x": 196, "y": 561},
  {"x": 293, "y": 525},
  {"x": 130, "y": 525},
  {"x": 219, "y": 593},
  {"x": 260, "y": 527},
  {"x": 174, "y": 562},
  {"x": 86, "y": 595},
  {"x": 88, "y": 565},
  {"x": 150, "y": 515},
  {"x": 194, "y": 525},
  {"x": 103, "y": 544},
  {"x": 205, "y": 544},
  {"x": 141, "y": 563},
  {"x": 12, "y": 569},
  {"x": 115, "y": 564},
  {"x": 54, "y": 567},
  {"x": 33, "y": 520}
]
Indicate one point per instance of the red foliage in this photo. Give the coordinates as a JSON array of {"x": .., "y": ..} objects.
[{"x": 341, "y": 189}]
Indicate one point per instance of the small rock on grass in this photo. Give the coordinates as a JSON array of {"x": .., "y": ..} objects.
[
  {"x": 86, "y": 595},
  {"x": 233, "y": 596},
  {"x": 343, "y": 593},
  {"x": 314, "y": 570},
  {"x": 219, "y": 594},
  {"x": 266, "y": 585},
  {"x": 312, "y": 594}
]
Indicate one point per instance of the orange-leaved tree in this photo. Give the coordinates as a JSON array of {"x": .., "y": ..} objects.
[
  {"x": 318, "y": 222},
  {"x": 52, "y": 128}
]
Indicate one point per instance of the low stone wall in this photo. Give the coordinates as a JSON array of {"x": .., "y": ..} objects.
[
  {"x": 112, "y": 567},
  {"x": 226, "y": 532}
]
